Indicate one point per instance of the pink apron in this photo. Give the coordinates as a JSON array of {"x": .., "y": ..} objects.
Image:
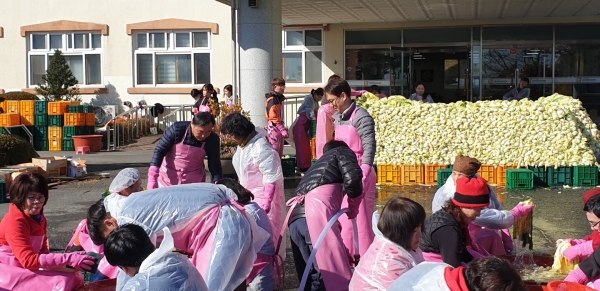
[
  {"x": 333, "y": 259},
  {"x": 349, "y": 134},
  {"x": 302, "y": 141},
  {"x": 86, "y": 243},
  {"x": 15, "y": 277},
  {"x": 488, "y": 240},
  {"x": 274, "y": 137},
  {"x": 324, "y": 127},
  {"x": 204, "y": 108},
  {"x": 183, "y": 164}
]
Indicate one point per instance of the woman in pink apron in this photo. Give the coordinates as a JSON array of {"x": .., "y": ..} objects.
[
  {"x": 179, "y": 156},
  {"x": 258, "y": 168},
  {"x": 276, "y": 131},
  {"x": 25, "y": 259},
  {"x": 306, "y": 113},
  {"x": 356, "y": 127},
  {"x": 320, "y": 194},
  {"x": 203, "y": 102}
]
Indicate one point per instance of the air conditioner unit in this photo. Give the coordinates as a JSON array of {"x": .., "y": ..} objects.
[{"x": 104, "y": 114}]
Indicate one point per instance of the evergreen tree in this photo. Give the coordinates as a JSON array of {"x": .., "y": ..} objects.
[{"x": 59, "y": 82}]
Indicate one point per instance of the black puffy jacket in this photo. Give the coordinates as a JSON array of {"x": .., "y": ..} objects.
[
  {"x": 174, "y": 135},
  {"x": 338, "y": 165}
]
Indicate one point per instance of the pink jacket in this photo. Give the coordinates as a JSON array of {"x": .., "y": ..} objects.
[{"x": 382, "y": 264}]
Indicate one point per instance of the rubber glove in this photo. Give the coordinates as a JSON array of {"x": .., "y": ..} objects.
[
  {"x": 583, "y": 250},
  {"x": 79, "y": 260},
  {"x": 283, "y": 130},
  {"x": 269, "y": 194},
  {"x": 153, "y": 177},
  {"x": 521, "y": 210},
  {"x": 194, "y": 110},
  {"x": 366, "y": 169},
  {"x": 571, "y": 241},
  {"x": 509, "y": 246},
  {"x": 577, "y": 276},
  {"x": 353, "y": 205}
]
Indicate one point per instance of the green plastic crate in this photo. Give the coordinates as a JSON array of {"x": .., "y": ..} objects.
[
  {"x": 560, "y": 176},
  {"x": 312, "y": 162},
  {"x": 41, "y": 119},
  {"x": 519, "y": 179},
  {"x": 75, "y": 109},
  {"x": 56, "y": 120},
  {"x": 68, "y": 144},
  {"x": 3, "y": 198},
  {"x": 540, "y": 176},
  {"x": 40, "y": 132},
  {"x": 585, "y": 176},
  {"x": 313, "y": 128},
  {"x": 289, "y": 166},
  {"x": 89, "y": 130},
  {"x": 70, "y": 131},
  {"x": 88, "y": 108},
  {"x": 41, "y": 107},
  {"x": 41, "y": 144},
  {"x": 443, "y": 175}
]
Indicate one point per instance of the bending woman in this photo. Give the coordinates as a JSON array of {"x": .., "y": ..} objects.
[{"x": 306, "y": 113}]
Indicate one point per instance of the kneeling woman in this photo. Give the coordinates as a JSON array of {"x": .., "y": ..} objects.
[
  {"x": 446, "y": 234},
  {"x": 25, "y": 258},
  {"x": 395, "y": 249}
]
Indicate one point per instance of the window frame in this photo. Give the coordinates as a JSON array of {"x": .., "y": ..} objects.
[
  {"x": 170, "y": 49},
  {"x": 303, "y": 49},
  {"x": 48, "y": 52}
]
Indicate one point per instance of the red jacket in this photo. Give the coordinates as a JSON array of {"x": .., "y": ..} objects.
[{"x": 16, "y": 229}]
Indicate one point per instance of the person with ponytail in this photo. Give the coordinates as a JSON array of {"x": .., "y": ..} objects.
[
  {"x": 203, "y": 102},
  {"x": 262, "y": 277},
  {"x": 306, "y": 113}
]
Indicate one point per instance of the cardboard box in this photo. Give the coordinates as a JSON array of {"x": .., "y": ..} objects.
[
  {"x": 25, "y": 168},
  {"x": 52, "y": 166},
  {"x": 77, "y": 168}
]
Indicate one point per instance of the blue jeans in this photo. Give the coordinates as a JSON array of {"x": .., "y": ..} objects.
[{"x": 301, "y": 249}]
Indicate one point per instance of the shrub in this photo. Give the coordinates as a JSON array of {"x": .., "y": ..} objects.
[
  {"x": 15, "y": 150},
  {"x": 18, "y": 96}
]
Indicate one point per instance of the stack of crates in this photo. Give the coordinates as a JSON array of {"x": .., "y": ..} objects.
[
  {"x": 3, "y": 194},
  {"x": 40, "y": 129},
  {"x": 56, "y": 121},
  {"x": 75, "y": 121},
  {"x": 501, "y": 174}
]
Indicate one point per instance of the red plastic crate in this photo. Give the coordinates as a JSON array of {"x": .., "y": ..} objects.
[
  {"x": 412, "y": 175},
  {"x": 501, "y": 174},
  {"x": 431, "y": 173}
]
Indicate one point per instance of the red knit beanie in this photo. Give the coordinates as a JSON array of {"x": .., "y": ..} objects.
[
  {"x": 471, "y": 192},
  {"x": 589, "y": 194}
]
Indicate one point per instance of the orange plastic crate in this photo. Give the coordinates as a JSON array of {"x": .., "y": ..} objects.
[
  {"x": 75, "y": 119},
  {"x": 388, "y": 174},
  {"x": 8, "y": 119},
  {"x": 412, "y": 175},
  {"x": 501, "y": 174},
  {"x": 55, "y": 144},
  {"x": 74, "y": 102},
  {"x": 12, "y": 106},
  {"x": 313, "y": 148},
  {"x": 488, "y": 172},
  {"x": 28, "y": 119},
  {"x": 57, "y": 108},
  {"x": 3, "y": 106},
  {"x": 90, "y": 119},
  {"x": 55, "y": 132},
  {"x": 27, "y": 107},
  {"x": 431, "y": 174}
]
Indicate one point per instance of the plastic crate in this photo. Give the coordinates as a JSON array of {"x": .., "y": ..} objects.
[
  {"x": 560, "y": 176},
  {"x": 488, "y": 172},
  {"x": 74, "y": 109},
  {"x": 58, "y": 108},
  {"x": 90, "y": 119},
  {"x": 3, "y": 106},
  {"x": 89, "y": 130},
  {"x": 28, "y": 119},
  {"x": 27, "y": 107},
  {"x": 56, "y": 120},
  {"x": 55, "y": 144},
  {"x": 41, "y": 119},
  {"x": 3, "y": 198},
  {"x": 73, "y": 102},
  {"x": 431, "y": 173},
  {"x": 313, "y": 162},
  {"x": 68, "y": 144},
  {"x": 40, "y": 132},
  {"x": 41, "y": 107},
  {"x": 313, "y": 147},
  {"x": 70, "y": 131},
  {"x": 585, "y": 176},
  {"x": 12, "y": 106},
  {"x": 501, "y": 174},
  {"x": 40, "y": 144},
  {"x": 75, "y": 119},
  {"x": 540, "y": 176},
  {"x": 388, "y": 174},
  {"x": 412, "y": 175},
  {"x": 313, "y": 128},
  {"x": 443, "y": 175},
  {"x": 289, "y": 166},
  {"x": 519, "y": 179},
  {"x": 55, "y": 132},
  {"x": 8, "y": 119},
  {"x": 88, "y": 108}
]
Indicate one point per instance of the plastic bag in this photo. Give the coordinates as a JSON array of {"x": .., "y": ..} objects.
[{"x": 424, "y": 277}]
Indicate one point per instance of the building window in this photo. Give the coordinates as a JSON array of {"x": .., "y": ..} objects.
[
  {"x": 167, "y": 58},
  {"x": 82, "y": 50},
  {"x": 303, "y": 56}
]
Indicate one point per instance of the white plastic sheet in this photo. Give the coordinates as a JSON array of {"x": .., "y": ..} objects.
[{"x": 426, "y": 276}]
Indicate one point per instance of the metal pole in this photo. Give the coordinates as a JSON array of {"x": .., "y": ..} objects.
[
  {"x": 553, "y": 56},
  {"x": 234, "y": 90}
]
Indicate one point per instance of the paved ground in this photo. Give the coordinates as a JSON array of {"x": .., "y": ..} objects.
[{"x": 558, "y": 213}]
